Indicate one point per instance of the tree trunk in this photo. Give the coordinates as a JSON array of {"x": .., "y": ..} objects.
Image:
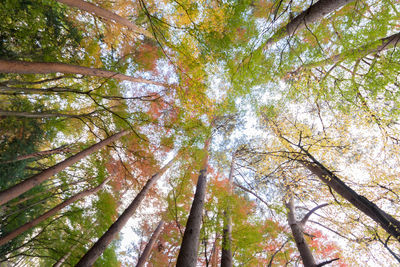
[
  {"x": 25, "y": 67},
  {"x": 48, "y": 214},
  {"x": 190, "y": 243},
  {"x": 386, "y": 221},
  {"x": 374, "y": 47},
  {"x": 105, "y": 14},
  {"x": 226, "y": 256},
  {"x": 62, "y": 260},
  {"x": 147, "y": 250},
  {"x": 42, "y": 114},
  {"x": 65, "y": 257},
  {"x": 298, "y": 235},
  {"x": 37, "y": 179},
  {"x": 57, "y": 150},
  {"x": 214, "y": 253},
  {"x": 98, "y": 248},
  {"x": 315, "y": 12}
]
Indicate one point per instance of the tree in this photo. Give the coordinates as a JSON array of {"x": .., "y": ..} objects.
[
  {"x": 298, "y": 235},
  {"x": 149, "y": 246},
  {"x": 312, "y": 89},
  {"x": 48, "y": 214},
  {"x": 226, "y": 257},
  {"x": 313, "y": 13},
  {"x": 189, "y": 247},
  {"x": 98, "y": 248},
  {"x": 18, "y": 189},
  {"x": 106, "y": 14},
  {"x": 24, "y": 67}
]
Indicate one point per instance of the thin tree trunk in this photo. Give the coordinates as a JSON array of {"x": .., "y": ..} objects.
[
  {"x": 98, "y": 248},
  {"x": 42, "y": 114},
  {"x": 37, "y": 179},
  {"x": 362, "y": 51},
  {"x": 57, "y": 150},
  {"x": 25, "y": 67},
  {"x": 226, "y": 256},
  {"x": 48, "y": 214},
  {"x": 298, "y": 235},
  {"x": 214, "y": 253},
  {"x": 147, "y": 250},
  {"x": 106, "y": 14},
  {"x": 63, "y": 259},
  {"x": 315, "y": 12},
  {"x": 190, "y": 243}
]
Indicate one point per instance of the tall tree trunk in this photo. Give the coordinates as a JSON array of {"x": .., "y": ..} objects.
[
  {"x": 226, "y": 256},
  {"x": 98, "y": 248},
  {"x": 25, "y": 67},
  {"x": 362, "y": 51},
  {"x": 48, "y": 214},
  {"x": 147, "y": 250},
  {"x": 37, "y": 179},
  {"x": 106, "y": 14},
  {"x": 42, "y": 114},
  {"x": 298, "y": 235},
  {"x": 315, "y": 12},
  {"x": 386, "y": 221},
  {"x": 57, "y": 150},
  {"x": 190, "y": 243}
]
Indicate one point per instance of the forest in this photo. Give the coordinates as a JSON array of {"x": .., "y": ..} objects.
[{"x": 199, "y": 133}]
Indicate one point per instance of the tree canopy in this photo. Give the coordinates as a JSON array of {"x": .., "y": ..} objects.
[{"x": 199, "y": 133}]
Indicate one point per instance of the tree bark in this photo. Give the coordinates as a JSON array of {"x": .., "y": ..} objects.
[
  {"x": 106, "y": 14},
  {"x": 315, "y": 12},
  {"x": 362, "y": 51},
  {"x": 37, "y": 179},
  {"x": 226, "y": 256},
  {"x": 298, "y": 235},
  {"x": 98, "y": 248},
  {"x": 48, "y": 214},
  {"x": 386, "y": 221},
  {"x": 147, "y": 250},
  {"x": 57, "y": 150},
  {"x": 190, "y": 243},
  {"x": 25, "y": 67}
]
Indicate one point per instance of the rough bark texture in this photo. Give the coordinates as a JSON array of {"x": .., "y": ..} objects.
[
  {"x": 147, "y": 250},
  {"x": 37, "y": 179},
  {"x": 310, "y": 15},
  {"x": 226, "y": 256},
  {"x": 48, "y": 214},
  {"x": 298, "y": 235},
  {"x": 25, "y": 67},
  {"x": 98, "y": 248},
  {"x": 190, "y": 243},
  {"x": 105, "y": 14},
  {"x": 386, "y": 221}
]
